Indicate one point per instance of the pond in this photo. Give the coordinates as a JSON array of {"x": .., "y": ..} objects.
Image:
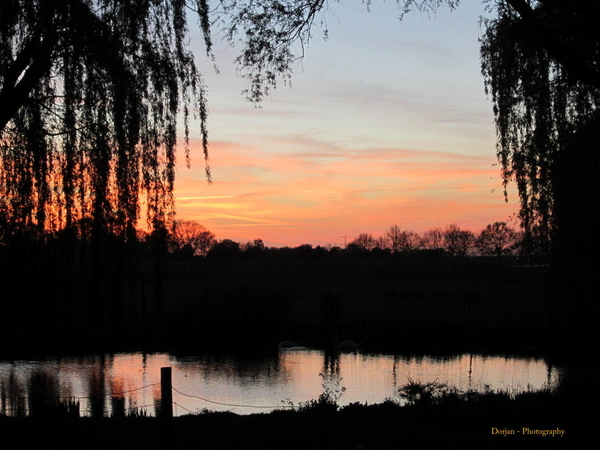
[{"x": 131, "y": 381}]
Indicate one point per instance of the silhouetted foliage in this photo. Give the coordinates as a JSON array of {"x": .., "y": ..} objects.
[
  {"x": 190, "y": 237},
  {"x": 409, "y": 242},
  {"x": 457, "y": 241},
  {"x": 224, "y": 250},
  {"x": 364, "y": 241},
  {"x": 433, "y": 239},
  {"x": 496, "y": 239},
  {"x": 93, "y": 97},
  {"x": 539, "y": 61},
  {"x": 255, "y": 250},
  {"x": 91, "y": 94},
  {"x": 276, "y": 33},
  {"x": 540, "y": 65},
  {"x": 394, "y": 237}
]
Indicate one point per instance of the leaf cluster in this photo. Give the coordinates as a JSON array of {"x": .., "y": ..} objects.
[
  {"x": 535, "y": 61},
  {"x": 92, "y": 95},
  {"x": 276, "y": 33}
]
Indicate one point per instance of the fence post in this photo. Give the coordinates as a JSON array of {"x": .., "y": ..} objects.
[{"x": 166, "y": 393}]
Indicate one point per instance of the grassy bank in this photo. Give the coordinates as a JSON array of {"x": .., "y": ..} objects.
[{"x": 452, "y": 420}]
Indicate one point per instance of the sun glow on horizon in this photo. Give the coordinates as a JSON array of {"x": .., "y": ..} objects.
[
  {"x": 320, "y": 201},
  {"x": 393, "y": 128}
]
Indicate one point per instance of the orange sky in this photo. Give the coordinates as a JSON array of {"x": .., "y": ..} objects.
[{"x": 385, "y": 123}]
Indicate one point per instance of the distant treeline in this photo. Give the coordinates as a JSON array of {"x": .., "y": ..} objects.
[
  {"x": 77, "y": 289},
  {"x": 188, "y": 239}
]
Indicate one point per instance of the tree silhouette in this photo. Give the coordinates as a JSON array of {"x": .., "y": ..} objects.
[
  {"x": 255, "y": 250},
  {"x": 496, "y": 239},
  {"x": 225, "y": 249},
  {"x": 457, "y": 241},
  {"x": 410, "y": 241},
  {"x": 433, "y": 239},
  {"x": 192, "y": 234},
  {"x": 91, "y": 95},
  {"x": 540, "y": 64},
  {"x": 364, "y": 241},
  {"x": 394, "y": 237},
  {"x": 276, "y": 33},
  {"x": 540, "y": 61}
]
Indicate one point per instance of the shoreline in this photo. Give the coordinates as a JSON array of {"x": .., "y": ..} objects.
[{"x": 472, "y": 424}]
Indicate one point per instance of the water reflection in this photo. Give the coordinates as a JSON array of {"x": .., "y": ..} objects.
[{"x": 116, "y": 384}]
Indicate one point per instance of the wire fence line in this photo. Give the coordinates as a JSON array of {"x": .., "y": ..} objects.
[
  {"x": 23, "y": 400},
  {"x": 229, "y": 404}
]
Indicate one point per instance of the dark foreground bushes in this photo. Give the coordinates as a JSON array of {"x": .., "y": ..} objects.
[{"x": 447, "y": 419}]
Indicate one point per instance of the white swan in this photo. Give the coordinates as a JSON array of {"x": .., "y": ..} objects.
[
  {"x": 344, "y": 345},
  {"x": 348, "y": 345}
]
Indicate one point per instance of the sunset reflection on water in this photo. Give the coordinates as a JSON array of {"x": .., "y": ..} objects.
[{"x": 245, "y": 386}]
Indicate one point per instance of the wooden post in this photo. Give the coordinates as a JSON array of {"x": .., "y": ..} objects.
[{"x": 166, "y": 393}]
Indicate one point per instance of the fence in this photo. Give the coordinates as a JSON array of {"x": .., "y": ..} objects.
[{"x": 69, "y": 406}]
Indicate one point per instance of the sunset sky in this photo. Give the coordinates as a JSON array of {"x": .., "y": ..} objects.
[{"x": 386, "y": 122}]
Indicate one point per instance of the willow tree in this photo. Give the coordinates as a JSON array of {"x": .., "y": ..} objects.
[
  {"x": 93, "y": 96},
  {"x": 540, "y": 61},
  {"x": 92, "y": 93}
]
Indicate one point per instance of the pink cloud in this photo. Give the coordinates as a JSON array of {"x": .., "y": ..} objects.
[{"x": 323, "y": 191}]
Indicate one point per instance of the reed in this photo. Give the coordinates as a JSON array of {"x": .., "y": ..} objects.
[
  {"x": 435, "y": 393},
  {"x": 327, "y": 402}
]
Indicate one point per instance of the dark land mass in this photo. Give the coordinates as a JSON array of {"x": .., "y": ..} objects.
[
  {"x": 478, "y": 424},
  {"x": 407, "y": 305},
  {"x": 421, "y": 306}
]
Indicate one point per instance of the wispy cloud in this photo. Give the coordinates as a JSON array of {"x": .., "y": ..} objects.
[
  {"x": 288, "y": 197},
  {"x": 204, "y": 198},
  {"x": 391, "y": 126}
]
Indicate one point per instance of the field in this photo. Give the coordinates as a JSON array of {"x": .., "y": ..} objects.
[{"x": 402, "y": 305}]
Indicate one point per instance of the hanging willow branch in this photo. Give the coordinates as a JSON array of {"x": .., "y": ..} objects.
[
  {"x": 540, "y": 98},
  {"x": 92, "y": 93},
  {"x": 275, "y": 35},
  {"x": 91, "y": 96}
]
